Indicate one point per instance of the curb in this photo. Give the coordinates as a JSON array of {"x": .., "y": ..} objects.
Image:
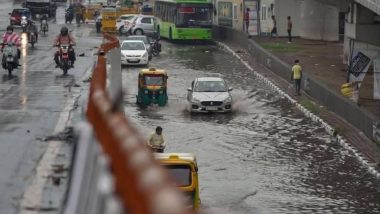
[{"x": 315, "y": 118}]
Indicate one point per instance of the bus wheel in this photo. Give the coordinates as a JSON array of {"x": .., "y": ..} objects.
[{"x": 170, "y": 34}]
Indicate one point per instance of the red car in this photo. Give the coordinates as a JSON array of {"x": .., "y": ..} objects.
[{"x": 16, "y": 15}]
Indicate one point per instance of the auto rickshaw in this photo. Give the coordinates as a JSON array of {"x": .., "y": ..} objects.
[
  {"x": 152, "y": 87},
  {"x": 183, "y": 169}
]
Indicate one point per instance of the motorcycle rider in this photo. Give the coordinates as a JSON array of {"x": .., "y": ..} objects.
[
  {"x": 10, "y": 36},
  {"x": 32, "y": 28},
  {"x": 44, "y": 17},
  {"x": 69, "y": 14},
  {"x": 156, "y": 140},
  {"x": 65, "y": 38}
]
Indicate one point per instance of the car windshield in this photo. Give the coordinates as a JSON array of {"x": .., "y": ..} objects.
[
  {"x": 21, "y": 13},
  {"x": 139, "y": 38},
  {"x": 133, "y": 46},
  {"x": 210, "y": 86},
  {"x": 153, "y": 80},
  {"x": 126, "y": 17},
  {"x": 180, "y": 174}
]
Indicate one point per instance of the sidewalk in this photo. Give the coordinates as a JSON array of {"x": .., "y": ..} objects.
[
  {"x": 333, "y": 76},
  {"x": 324, "y": 60}
]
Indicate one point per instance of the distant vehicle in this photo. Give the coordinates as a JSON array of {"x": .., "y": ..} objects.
[
  {"x": 144, "y": 24},
  {"x": 47, "y": 7},
  {"x": 146, "y": 41},
  {"x": 120, "y": 22},
  {"x": 17, "y": 14},
  {"x": 183, "y": 171},
  {"x": 134, "y": 53},
  {"x": 152, "y": 87},
  {"x": 209, "y": 94},
  {"x": 184, "y": 19}
]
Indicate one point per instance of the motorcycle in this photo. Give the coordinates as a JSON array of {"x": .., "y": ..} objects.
[
  {"x": 24, "y": 23},
  {"x": 44, "y": 26},
  {"x": 9, "y": 60},
  {"x": 156, "y": 47},
  {"x": 157, "y": 149},
  {"x": 64, "y": 59},
  {"x": 32, "y": 38},
  {"x": 69, "y": 16}
]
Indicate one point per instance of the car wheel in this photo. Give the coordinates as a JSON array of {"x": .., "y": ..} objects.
[{"x": 139, "y": 32}]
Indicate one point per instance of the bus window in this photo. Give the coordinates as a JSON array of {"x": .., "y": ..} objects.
[{"x": 194, "y": 16}]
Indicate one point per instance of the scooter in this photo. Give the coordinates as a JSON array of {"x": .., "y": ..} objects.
[
  {"x": 44, "y": 26},
  {"x": 24, "y": 23},
  {"x": 69, "y": 16},
  {"x": 156, "y": 47},
  {"x": 64, "y": 59},
  {"x": 32, "y": 38},
  {"x": 9, "y": 60}
]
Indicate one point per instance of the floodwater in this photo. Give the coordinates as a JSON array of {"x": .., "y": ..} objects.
[{"x": 264, "y": 157}]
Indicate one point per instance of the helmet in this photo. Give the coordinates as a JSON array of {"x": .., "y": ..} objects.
[
  {"x": 64, "y": 31},
  {"x": 10, "y": 28}
]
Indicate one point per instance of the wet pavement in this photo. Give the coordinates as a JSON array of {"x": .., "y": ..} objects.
[
  {"x": 31, "y": 102},
  {"x": 265, "y": 157}
]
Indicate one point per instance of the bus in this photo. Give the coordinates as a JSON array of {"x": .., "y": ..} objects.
[{"x": 184, "y": 19}]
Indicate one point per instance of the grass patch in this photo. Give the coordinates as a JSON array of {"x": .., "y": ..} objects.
[
  {"x": 309, "y": 105},
  {"x": 280, "y": 47}
]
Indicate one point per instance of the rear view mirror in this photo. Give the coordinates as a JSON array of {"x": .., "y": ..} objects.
[
  {"x": 230, "y": 89},
  {"x": 189, "y": 90}
]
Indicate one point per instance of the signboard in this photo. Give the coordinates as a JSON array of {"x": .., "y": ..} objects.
[
  {"x": 225, "y": 14},
  {"x": 359, "y": 67}
]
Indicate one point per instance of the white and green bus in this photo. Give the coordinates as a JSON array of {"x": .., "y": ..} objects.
[{"x": 184, "y": 19}]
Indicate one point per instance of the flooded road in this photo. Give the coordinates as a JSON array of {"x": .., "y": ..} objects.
[
  {"x": 31, "y": 102},
  {"x": 265, "y": 157}
]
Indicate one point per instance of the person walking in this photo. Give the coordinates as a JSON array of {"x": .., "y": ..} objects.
[
  {"x": 290, "y": 26},
  {"x": 297, "y": 76},
  {"x": 246, "y": 19},
  {"x": 274, "y": 29}
]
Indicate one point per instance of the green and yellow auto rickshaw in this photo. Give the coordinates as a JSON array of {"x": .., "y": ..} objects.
[{"x": 152, "y": 87}]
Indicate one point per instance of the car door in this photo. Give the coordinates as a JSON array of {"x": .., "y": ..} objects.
[{"x": 147, "y": 24}]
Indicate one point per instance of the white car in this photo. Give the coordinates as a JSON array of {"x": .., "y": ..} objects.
[
  {"x": 209, "y": 94},
  {"x": 133, "y": 52},
  {"x": 123, "y": 20}
]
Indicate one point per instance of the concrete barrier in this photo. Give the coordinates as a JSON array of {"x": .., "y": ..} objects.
[{"x": 355, "y": 115}]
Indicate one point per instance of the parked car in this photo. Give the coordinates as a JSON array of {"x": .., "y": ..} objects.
[
  {"x": 144, "y": 24},
  {"x": 120, "y": 22},
  {"x": 146, "y": 41},
  {"x": 134, "y": 53},
  {"x": 17, "y": 13},
  {"x": 209, "y": 94}
]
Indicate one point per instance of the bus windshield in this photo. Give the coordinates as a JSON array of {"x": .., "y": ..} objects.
[{"x": 194, "y": 16}]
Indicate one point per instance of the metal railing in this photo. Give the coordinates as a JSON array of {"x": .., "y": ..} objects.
[{"x": 113, "y": 169}]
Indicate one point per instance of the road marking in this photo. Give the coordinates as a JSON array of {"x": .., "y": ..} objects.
[
  {"x": 32, "y": 198},
  {"x": 31, "y": 202}
]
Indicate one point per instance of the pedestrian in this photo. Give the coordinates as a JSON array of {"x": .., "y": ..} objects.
[
  {"x": 274, "y": 29},
  {"x": 297, "y": 76},
  {"x": 246, "y": 19},
  {"x": 290, "y": 26},
  {"x": 156, "y": 140}
]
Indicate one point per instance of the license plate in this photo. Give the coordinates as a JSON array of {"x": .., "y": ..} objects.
[
  {"x": 133, "y": 60},
  {"x": 211, "y": 108}
]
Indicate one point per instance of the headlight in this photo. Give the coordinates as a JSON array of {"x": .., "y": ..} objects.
[
  {"x": 195, "y": 100},
  {"x": 228, "y": 100},
  {"x": 146, "y": 92},
  {"x": 161, "y": 92},
  {"x": 145, "y": 55}
]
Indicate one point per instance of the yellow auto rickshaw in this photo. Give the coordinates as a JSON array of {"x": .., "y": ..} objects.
[
  {"x": 152, "y": 87},
  {"x": 183, "y": 169}
]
